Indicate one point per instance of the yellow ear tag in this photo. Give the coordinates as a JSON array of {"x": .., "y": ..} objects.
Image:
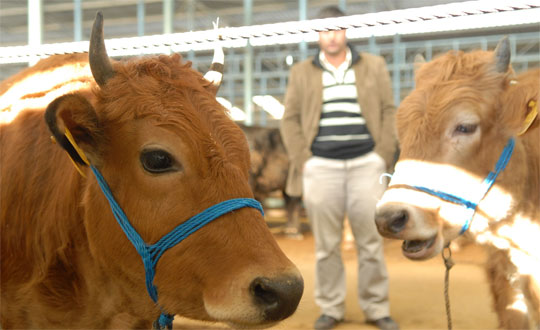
[
  {"x": 79, "y": 151},
  {"x": 531, "y": 116}
]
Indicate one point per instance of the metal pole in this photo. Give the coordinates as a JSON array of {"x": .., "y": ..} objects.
[
  {"x": 140, "y": 18},
  {"x": 343, "y": 5},
  {"x": 35, "y": 25},
  {"x": 396, "y": 76},
  {"x": 235, "y": 67},
  {"x": 77, "y": 20},
  {"x": 302, "y": 16},
  {"x": 373, "y": 45},
  {"x": 262, "y": 86},
  {"x": 248, "y": 66},
  {"x": 429, "y": 50},
  {"x": 168, "y": 16},
  {"x": 191, "y": 24}
]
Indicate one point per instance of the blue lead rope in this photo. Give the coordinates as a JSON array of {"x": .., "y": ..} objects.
[
  {"x": 486, "y": 185},
  {"x": 151, "y": 254}
]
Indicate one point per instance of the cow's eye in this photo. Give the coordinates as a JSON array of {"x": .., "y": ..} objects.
[
  {"x": 157, "y": 161},
  {"x": 465, "y": 128}
]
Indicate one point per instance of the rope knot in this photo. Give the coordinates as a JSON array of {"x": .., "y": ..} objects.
[
  {"x": 164, "y": 321},
  {"x": 447, "y": 257}
]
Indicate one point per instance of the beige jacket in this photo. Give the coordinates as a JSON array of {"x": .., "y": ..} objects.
[{"x": 303, "y": 104}]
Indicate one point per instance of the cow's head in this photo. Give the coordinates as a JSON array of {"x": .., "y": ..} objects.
[
  {"x": 168, "y": 151},
  {"x": 452, "y": 129}
]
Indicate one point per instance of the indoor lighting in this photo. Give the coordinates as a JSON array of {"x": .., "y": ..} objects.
[
  {"x": 234, "y": 113},
  {"x": 270, "y": 104}
]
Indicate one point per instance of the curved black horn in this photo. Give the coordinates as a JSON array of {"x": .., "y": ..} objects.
[{"x": 99, "y": 60}]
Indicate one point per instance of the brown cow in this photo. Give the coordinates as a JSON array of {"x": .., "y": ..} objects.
[
  {"x": 460, "y": 123},
  {"x": 167, "y": 150}
]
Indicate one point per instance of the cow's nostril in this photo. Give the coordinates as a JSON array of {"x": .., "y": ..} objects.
[
  {"x": 264, "y": 293},
  {"x": 398, "y": 220},
  {"x": 278, "y": 298}
]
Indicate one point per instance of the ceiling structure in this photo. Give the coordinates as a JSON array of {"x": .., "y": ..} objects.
[
  {"x": 270, "y": 64},
  {"x": 121, "y": 15}
]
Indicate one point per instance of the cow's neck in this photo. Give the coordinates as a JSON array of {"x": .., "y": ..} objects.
[
  {"x": 517, "y": 197},
  {"x": 101, "y": 291},
  {"x": 532, "y": 149},
  {"x": 111, "y": 301},
  {"x": 109, "y": 293}
]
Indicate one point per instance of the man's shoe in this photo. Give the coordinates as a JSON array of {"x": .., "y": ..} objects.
[
  {"x": 325, "y": 322},
  {"x": 385, "y": 323}
]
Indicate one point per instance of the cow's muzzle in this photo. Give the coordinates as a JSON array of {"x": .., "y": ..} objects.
[
  {"x": 277, "y": 297},
  {"x": 397, "y": 221},
  {"x": 391, "y": 221}
]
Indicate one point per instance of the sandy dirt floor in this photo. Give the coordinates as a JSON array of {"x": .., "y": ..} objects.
[{"x": 416, "y": 290}]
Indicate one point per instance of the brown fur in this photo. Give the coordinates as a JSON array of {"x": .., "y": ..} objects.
[
  {"x": 65, "y": 261},
  {"x": 468, "y": 82}
]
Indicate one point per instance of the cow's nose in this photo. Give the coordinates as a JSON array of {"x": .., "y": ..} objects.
[
  {"x": 392, "y": 221},
  {"x": 277, "y": 297}
]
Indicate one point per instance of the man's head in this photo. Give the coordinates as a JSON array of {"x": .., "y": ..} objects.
[{"x": 332, "y": 43}]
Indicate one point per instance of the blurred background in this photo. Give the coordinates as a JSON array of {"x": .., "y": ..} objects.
[{"x": 256, "y": 76}]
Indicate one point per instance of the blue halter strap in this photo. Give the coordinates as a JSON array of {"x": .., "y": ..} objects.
[
  {"x": 484, "y": 188},
  {"x": 150, "y": 254}
]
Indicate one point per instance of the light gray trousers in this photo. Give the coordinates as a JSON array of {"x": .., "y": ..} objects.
[{"x": 333, "y": 189}]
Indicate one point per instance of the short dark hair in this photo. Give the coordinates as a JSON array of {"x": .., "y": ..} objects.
[{"x": 330, "y": 11}]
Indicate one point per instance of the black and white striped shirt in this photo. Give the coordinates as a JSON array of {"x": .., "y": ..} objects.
[{"x": 343, "y": 133}]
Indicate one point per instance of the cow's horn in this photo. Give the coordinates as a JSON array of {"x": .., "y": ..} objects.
[
  {"x": 99, "y": 60},
  {"x": 215, "y": 73},
  {"x": 502, "y": 55}
]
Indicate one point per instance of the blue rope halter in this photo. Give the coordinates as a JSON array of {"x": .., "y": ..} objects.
[
  {"x": 485, "y": 186},
  {"x": 151, "y": 253}
]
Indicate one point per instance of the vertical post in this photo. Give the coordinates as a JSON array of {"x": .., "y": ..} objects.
[
  {"x": 140, "y": 18},
  {"x": 229, "y": 83},
  {"x": 77, "y": 20},
  {"x": 429, "y": 50},
  {"x": 483, "y": 44},
  {"x": 248, "y": 66},
  {"x": 343, "y": 5},
  {"x": 261, "y": 84},
  {"x": 236, "y": 69},
  {"x": 302, "y": 16},
  {"x": 35, "y": 25},
  {"x": 168, "y": 16},
  {"x": 372, "y": 44},
  {"x": 191, "y": 24},
  {"x": 396, "y": 76}
]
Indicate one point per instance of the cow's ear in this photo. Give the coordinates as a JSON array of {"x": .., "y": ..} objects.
[
  {"x": 502, "y": 55},
  {"x": 74, "y": 125}
]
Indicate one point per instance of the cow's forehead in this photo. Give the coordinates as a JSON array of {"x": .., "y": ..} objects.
[
  {"x": 446, "y": 87},
  {"x": 161, "y": 88},
  {"x": 168, "y": 95},
  {"x": 455, "y": 65}
]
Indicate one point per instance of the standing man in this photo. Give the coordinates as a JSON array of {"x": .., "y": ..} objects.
[{"x": 338, "y": 129}]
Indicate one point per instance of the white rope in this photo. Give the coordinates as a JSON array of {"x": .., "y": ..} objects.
[{"x": 282, "y": 33}]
